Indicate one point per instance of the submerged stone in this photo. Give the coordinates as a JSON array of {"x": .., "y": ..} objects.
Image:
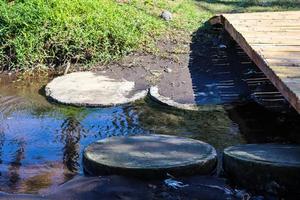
[
  {"x": 274, "y": 168},
  {"x": 93, "y": 89},
  {"x": 149, "y": 156}
]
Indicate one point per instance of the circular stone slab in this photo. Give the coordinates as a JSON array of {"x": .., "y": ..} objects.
[
  {"x": 92, "y": 89},
  {"x": 268, "y": 167},
  {"x": 149, "y": 156},
  {"x": 156, "y": 96}
]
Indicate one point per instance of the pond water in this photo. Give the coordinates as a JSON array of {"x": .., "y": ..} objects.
[{"x": 41, "y": 143}]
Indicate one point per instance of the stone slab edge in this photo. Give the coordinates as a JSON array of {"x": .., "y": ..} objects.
[
  {"x": 167, "y": 101},
  {"x": 140, "y": 95}
]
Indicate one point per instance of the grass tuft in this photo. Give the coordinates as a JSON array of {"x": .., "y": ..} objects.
[{"x": 52, "y": 32}]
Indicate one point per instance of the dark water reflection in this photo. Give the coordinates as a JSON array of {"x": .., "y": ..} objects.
[
  {"x": 41, "y": 144},
  {"x": 47, "y": 144}
]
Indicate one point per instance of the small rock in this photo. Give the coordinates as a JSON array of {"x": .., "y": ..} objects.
[
  {"x": 166, "y": 15},
  {"x": 168, "y": 70},
  {"x": 152, "y": 186},
  {"x": 222, "y": 46},
  {"x": 242, "y": 194}
]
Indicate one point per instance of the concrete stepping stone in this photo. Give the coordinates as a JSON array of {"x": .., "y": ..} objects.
[
  {"x": 149, "y": 156},
  {"x": 268, "y": 167},
  {"x": 93, "y": 89},
  {"x": 156, "y": 96}
]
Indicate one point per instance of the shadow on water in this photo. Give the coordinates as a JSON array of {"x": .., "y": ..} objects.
[
  {"x": 217, "y": 71},
  {"x": 222, "y": 73}
]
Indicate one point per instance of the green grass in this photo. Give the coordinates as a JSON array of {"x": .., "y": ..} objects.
[{"x": 51, "y": 33}]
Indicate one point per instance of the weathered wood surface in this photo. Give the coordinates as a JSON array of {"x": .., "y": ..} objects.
[{"x": 272, "y": 41}]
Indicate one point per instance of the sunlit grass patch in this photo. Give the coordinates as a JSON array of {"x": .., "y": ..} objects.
[{"x": 55, "y": 31}]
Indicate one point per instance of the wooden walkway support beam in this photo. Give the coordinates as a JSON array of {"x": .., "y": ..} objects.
[{"x": 272, "y": 41}]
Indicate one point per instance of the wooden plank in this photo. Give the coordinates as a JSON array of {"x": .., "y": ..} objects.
[
  {"x": 270, "y": 36},
  {"x": 281, "y": 54},
  {"x": 264, "y": 21},
  {"x": 283, "y": 62},
  {"x": 266, "y": 25},
  {"x": 263, "y": 15},
  {"x": 272, "y": 41},
  {"x": 269, "y": 29},
  {"x": 280, "y": 42},
  {"x": 286, "y": 72},
  {"x": 273, "y": 48},
  {"x": 274, "y": 34}
]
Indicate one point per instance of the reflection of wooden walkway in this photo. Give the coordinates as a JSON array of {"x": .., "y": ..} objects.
[{"x": 272, "y": 41}]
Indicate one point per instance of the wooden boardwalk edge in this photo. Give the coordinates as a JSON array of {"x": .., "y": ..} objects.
[{"x": 256, "y": 57}]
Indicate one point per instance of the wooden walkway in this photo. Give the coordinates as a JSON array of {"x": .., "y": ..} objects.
[{"x": 272, "y": 41}]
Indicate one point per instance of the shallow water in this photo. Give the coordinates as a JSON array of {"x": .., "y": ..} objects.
[{"x": 41, "y": 143}]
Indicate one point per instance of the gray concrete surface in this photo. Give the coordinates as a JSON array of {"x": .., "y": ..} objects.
[
  {"x": 93, "y": 89},
  {"x": 150, "y": 156}
]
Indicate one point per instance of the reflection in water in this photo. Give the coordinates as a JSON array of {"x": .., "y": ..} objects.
[
  {"x": 70, "y": 136},
  {"x": 218, "y": 75},
  {"x": 222, "y": 73},
  {"x": 2, "y": 139},
  {"x": 41, "y": 143},
  {"x": 260, "y": 125},
  {"x": 211, "y": 125},
  {"x": 15, "y": 164}
]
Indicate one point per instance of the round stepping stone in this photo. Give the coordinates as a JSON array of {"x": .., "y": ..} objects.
[
  {"x": 268, "y": 167},
  {"x": 156, "y": 96},
  {"x": 92, "y": 89},
  {"x": 149, "y": 156}
]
